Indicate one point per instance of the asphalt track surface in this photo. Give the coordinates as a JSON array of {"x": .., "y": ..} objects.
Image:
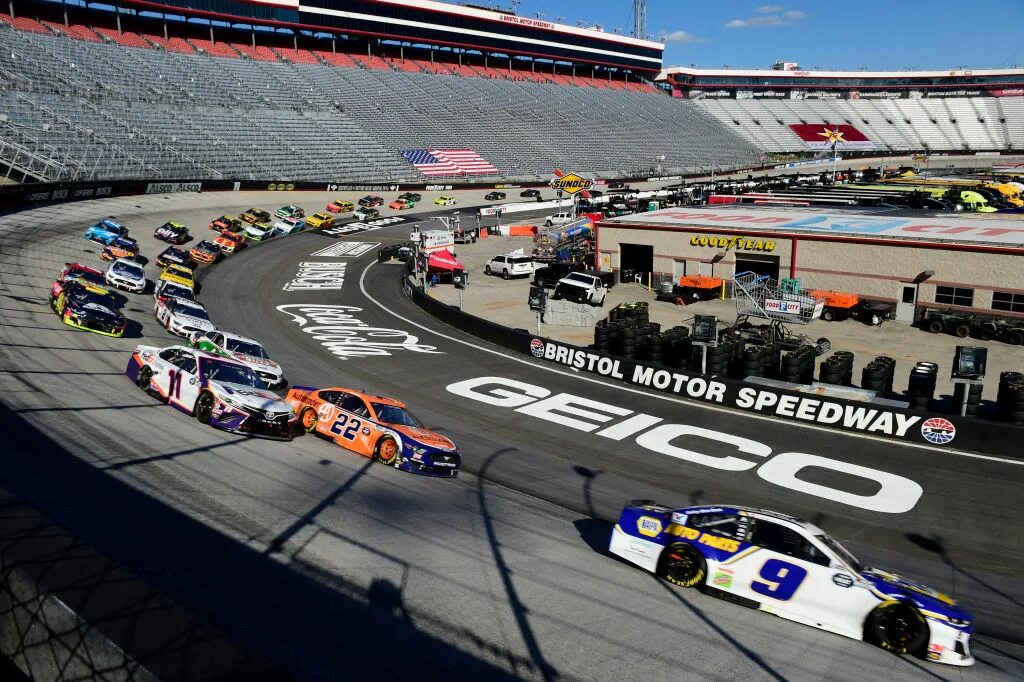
[{"x": 330, "y": 566}]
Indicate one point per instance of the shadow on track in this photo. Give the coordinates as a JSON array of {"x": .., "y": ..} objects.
[{"x": 308, "y": 626}]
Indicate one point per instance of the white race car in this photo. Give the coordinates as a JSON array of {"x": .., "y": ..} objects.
[
  {"x": 259, "y": 232},
  {"x": 290, "y": 225},
  {"x": 217, "y": 391},
  {"x": 168, "y": 290},
  {"x": 124, "y": 273},
  {"x": 182, "y": 317},
  {"x": 788, "y": 567},
  {"x": 247, "y": 351}
]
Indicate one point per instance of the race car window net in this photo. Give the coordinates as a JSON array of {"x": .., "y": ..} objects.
[
  {"x": 727, "y": 525},
  {"x": 392, "y": 414},
  {"x": 125, "y": 268},
  {"x": 355, "y": 405},
  {"x": 783, "y": 540},
  {"x": 841, "y": 552}
]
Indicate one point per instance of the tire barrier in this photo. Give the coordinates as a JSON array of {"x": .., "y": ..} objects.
[
  {"x": 837, "y": 369},
  {"x": 1010, "y": 399},
  {"x": 969, "y": 392},
  {"x": 878, "y": 376},
  {"x": 921, "y": 385},
  {"x": 797, "y": 366}
]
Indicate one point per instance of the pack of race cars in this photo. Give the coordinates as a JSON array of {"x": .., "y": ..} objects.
[
  {"x": 757, "y": 558},
  {"x": 227, "y": 380}
]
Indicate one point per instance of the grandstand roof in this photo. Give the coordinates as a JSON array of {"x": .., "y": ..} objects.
[
  {"x": 775, "y": 73},
  {"x": 987, "y": 230}
]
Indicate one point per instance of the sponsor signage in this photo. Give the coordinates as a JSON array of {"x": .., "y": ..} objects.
[
  {"x": 784, "y": 307},
  {"x": 711, "y": 94},
  {"x": 1007, "y": 92},
  {"x": 340, "y": 330},
  {"x": 972, "y": 92},
  {"x": 824, "y": 136},
  {"x": 317, "y": 276},
  {"x": 572, "y": 183},
  {"x": 172, "y": 187},
  {"x": 346, "y": 250},
  {"x": 932, "y": 228},
  {"x": 506, "y": 186},
  {"x": 742, "y": 243},
  {"x": 281, "y": 186},
  {"x": 359, "y": 226},
  {"x": 362, "y": 188},
  {"x": 438, "y": 188},
  {"x": 694, "y": 444}
]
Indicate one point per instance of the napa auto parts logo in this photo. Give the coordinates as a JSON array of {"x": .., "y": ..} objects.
[
  {"x": 938, "y": 430},
  {"x": 572, "y": 183}
]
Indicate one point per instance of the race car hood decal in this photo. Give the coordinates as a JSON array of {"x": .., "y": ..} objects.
[
  {"x": 193, "y": 321},
  {"x": 897, "y": 586},
  {"x": 252, "y": 397},
  {"x": 259, "y": 362},
  {"x": 423, "y": 437},
  {"x": 97, "y": 310}
]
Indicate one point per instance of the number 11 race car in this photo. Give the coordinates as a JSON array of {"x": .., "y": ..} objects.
[
  {"x": 220, "y": 392},
  {"x": 788, "y": 567},
  {"x": 374, "y": 426}
]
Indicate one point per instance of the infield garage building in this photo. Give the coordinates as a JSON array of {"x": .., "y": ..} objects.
[{"x": 972, "y": 262}]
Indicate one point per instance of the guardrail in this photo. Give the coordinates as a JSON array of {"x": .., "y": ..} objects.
[{"x": 904, "y": 425}]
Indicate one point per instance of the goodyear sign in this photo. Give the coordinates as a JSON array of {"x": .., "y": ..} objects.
[
  {"x": 572, "y": 183},
  {"x": 732, "y": 242}
]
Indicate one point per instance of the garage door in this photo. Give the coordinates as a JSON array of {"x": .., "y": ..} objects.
[
  {"x": 758, "y": 264},
  {"x": 638, "y": 258}
]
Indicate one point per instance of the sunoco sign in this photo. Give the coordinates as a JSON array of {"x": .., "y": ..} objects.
[{"x": 572, "y": 183}]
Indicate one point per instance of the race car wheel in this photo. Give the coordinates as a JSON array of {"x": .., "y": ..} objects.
[
  {"x": 308, "y": 420},
  {"x": 898, "y": 627},
  {"x": 203, "y": 408},
  {"x": 386, "y": 451},
  {"x": 144, "y": 378},
  {"x": 681, "y": 564}
]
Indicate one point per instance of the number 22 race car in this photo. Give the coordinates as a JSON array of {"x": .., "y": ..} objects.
[
  {"x": 374, "y": 426},
  {"x": 788, "y": 567}
]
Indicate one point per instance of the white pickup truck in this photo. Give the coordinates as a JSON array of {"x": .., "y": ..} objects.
[
  {"x": 581, "y": 288},
  {"x": 558, "y": 219}
]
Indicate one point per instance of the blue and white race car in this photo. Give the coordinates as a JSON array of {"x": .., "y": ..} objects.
[
  {"x": 788, "y": 567},
  {"x": 290, "y": 225},
  {"x": 106, "y": 231}
]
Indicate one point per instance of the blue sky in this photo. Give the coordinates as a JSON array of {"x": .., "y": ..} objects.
[{"x": 937, "y": 34}]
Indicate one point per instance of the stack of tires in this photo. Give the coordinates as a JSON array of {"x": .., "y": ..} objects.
[
  {"x": 717, "y": 358},
  {"x": 604, "y": 334},
  {"x": 755, "y": 359},
  {"x": 837, "y": 369},
  {"x": 921, "y": 387},
  {"x": 971, "y": 393},
  {"x": 1010, "y": 398},
  {"x": 650, "y": 345},
  {"x": 635, "y": 313},
  {"x": 676, "y": 347},
  {"x": 878, "y": 376},
  {"x": 797, "y": 365}
]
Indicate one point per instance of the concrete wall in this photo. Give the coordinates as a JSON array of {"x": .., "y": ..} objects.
[{"x": 873, "y": 270}]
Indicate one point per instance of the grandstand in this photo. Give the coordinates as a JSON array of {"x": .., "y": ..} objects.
[
  {"x": 80, "y": 100},
  {"x": 899, "y": 111}
]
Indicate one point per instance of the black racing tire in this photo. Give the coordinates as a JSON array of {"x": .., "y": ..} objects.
[
  {"x": 307, "y": 424},
  {"x": 898, "y": 627},
  {"x": 681, "y": 564},
  {"x": 936, "y": 326},
  {"x": 203, "y": 409},
  {"x": 145, "y": 376},
  {"x": 386, "y": 451}
]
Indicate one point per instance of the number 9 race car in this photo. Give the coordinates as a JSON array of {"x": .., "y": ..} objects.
[
  {"x": 374, "y": 426},
  {"x": 788, "y": 567},
  {"x": 225, "y": 394}
]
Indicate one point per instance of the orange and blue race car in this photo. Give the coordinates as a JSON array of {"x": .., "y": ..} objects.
[
  {"x": 120, "y": 247},
  {"x": 374, "y": 426}
]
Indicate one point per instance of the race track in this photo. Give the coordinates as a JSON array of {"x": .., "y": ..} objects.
[{"x": 325, "y": 563}]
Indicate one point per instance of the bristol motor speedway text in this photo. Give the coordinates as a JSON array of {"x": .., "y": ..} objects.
[{"x": 867, "y": 419}]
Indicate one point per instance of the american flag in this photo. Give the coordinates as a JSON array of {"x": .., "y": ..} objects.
[{"x": 437, "y": 162}]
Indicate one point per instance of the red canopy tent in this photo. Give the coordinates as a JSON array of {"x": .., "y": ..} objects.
[{"x": 443, "y": 260}]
